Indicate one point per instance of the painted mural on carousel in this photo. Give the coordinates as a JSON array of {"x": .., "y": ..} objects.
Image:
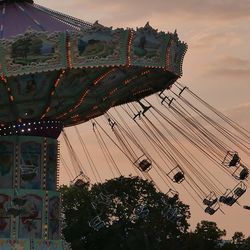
[{"x": 30, "y": 165}]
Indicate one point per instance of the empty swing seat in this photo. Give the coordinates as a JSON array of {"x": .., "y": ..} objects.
[
  {"x": 230, "y": 200},
  {"x": 213, "y": 206},
  {"x": 79, "y": 183},
  {"x": 209, "y": 202},
  {"x": 173, "y": 199},
  {"x": 239, "y": 191},
  {"x": 178, "y": 177},
  {"x": 235, "y": 160},
  {"x": 172, "y": 194},
  {"x": 231, "y": 159},
  {"x": 231, "y": 196},
  {"x": 177, "y": 174},
  {"x": 144, "y": 165},
  {"x": 241, "y": 172},
  {"x": 244, "y": 174},
  {"x": 210, "y": 210},
  {"x": 97, "y": 223}
]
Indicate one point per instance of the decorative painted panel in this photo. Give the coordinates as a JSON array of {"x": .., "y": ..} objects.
[
  {"x": 30, "y": 222},
  {"x": 149, "y": 47},
  {"x": 7, "y": 152},
  {"x": 176, "y": 52},
  {"x": 48, "y": 245},
  {"x": 14, "y": 244},
  {"x": 5, "y": 221},
  {"x": 99, "y": 46},
  {"x": 33, "y": 52},
  {"x": 28, "y": 90},
  {"x": 54, "y": 217},
  {"x": 30, "y": 165}
]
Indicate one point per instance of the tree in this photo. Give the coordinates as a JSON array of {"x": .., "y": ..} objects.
[
  {"x": 135, "y": 214},
  {"x": 238, "y": 239},
  {"x": 207, "y": 236}
]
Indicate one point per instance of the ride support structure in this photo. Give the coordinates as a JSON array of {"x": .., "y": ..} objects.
[{"x": 29, "y": 201}]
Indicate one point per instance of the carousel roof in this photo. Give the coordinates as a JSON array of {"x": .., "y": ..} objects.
[
  {"x": 16, "y": 17},
  {"x": 57, "y": 67}
]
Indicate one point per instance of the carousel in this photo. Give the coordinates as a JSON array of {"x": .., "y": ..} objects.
[{"x": 58, "y": 71}]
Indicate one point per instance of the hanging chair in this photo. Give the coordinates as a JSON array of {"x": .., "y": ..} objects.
[
  {"x": 246, "y": 207},
  {"x": 79, "y": 183},
  {"x": 177, "y": 175},
  {"x": 231, "y": 159},
  {"x": 172, "y": 214},
  {"x": 173, "y": 196},
  {"x": 212, "y": 209},
  {"x": 241, "y": 173},
  {"x": 143, "y": 163},
  {"x": 96, "y": 223},
  {"x": 142, "y": 212},
  {"x": 210, "y": 200},
  {"x": 231, "y": 196}
]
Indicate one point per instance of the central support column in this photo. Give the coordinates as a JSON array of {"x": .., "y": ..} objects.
[{"x": 29, "y": 202}]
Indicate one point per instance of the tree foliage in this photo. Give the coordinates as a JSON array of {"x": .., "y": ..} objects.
[
  {"x": 135, "y": 214},
  {"x": 129, "y": 213}
]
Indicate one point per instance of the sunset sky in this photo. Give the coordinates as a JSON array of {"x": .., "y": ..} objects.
[{"x": 216, "y": 66}]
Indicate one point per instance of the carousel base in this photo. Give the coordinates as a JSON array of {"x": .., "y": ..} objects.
[
  {"x": 26, "y": 244},
  {"x": 30, "y": 217}
]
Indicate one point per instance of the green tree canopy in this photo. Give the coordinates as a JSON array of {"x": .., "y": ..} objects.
[{"x": 129, "y": 213}]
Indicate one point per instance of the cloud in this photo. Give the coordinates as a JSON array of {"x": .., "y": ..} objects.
[
  {"x": 230, "y": 67},
  {"x": 121, "y": 11},
  {"x": 240, "y": 114},
  {"x": 235, "y": 61},
  {"x": 212, "y": 40},
  {"x": 230, "y": 72}
]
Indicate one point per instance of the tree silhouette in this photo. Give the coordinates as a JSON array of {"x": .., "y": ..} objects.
[{"x": 133, "y": 212}]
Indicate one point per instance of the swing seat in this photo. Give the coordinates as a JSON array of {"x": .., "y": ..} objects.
[
  {"x": 210, "y": 210},
  {"x": 230, "y": 200},
  {"x": 96, "y": 223},
  {"x": 235, "y": 160},
  {"x": 244, "y": 174},
  {"x": 79, "y": 183},
  {"x": 145, "y": 165},
  {"x": 142, "y": 212},
  {"x": 239, "y": 191},
  {"x": 231, "y": 159},
  {"x": 241, "y": 172},
  {"x": 179, "y": 177},
  {"x": 209, "y": 202},
  {"x": 172, "y": 194},
  {"x": 174, "y": 199}
]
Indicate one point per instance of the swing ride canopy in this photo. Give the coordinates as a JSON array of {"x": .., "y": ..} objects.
[{"x": 58, "y": 68}]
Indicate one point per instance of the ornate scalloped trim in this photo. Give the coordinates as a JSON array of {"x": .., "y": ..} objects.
[{"x": 123, "y": 53}]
